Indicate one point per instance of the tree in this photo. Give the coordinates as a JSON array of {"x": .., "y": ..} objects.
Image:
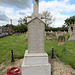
[
  {"x": 20, "y": 21},
  {"x": 23, "y": 21},
  {"x": 70, "y": 20},
  {"x": 21, "y": 28},
  {"x": 48, "y": 17},
  {"x": 64, "y": 28}
]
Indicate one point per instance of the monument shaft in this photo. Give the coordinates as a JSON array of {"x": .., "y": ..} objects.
[
  {"x": 36, "y": 36},
  {"x": 35, "y": 6},
  {"x": 36, "y": 59}
]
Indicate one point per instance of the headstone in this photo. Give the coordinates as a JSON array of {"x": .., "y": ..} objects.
[
  {"x": 26, "y": 40},
  {"x": 59, "y": 33},
  {"x": 61, "y": 40},
  {"x": 68, "y": 37},
  {"x": 71, "y": 30},
  {"x": 16, "y": 34},
  {"x": 65, "y": 32},
  {"x": 45, "y": 33},
  {"x": 50, "y": 34},
  {"x": 36, "y": 59},
  {"x": 51, "y": 31}
]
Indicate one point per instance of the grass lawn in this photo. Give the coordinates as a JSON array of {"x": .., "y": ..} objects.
[
  {"x": 65, "y": 53},
  {"x": 15, "y": 43}
]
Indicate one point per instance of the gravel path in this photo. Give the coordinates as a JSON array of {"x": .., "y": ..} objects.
[
  {"x": 17, "y": 63},
  {"x": 57, "y": 68}
]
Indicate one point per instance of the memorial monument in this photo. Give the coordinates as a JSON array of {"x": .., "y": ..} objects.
[
  {"x": 71, "y": 30},
  {"x": 36, "y": 59}
]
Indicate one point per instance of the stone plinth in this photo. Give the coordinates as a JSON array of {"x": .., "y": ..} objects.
[{"x": 36, "y": 64}]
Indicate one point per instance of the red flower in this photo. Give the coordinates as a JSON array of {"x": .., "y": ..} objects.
[{"x": 13, "y": 71}]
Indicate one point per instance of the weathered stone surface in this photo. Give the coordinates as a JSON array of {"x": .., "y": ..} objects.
[
  {"x": 36, "y": 30},
  {"x": 59, "y": 33},
  {"x": 71, "y": 30},
  {"x": 38, "y": 69},
  {"x": 26, "y": 40},
  {"x": 61, "y": 40},
  {"x": 36, "y": 63},
  {"x": 72, "y": 37},
  {"x": 35, "y": 7},
  {"x": 35, "y": 59}
]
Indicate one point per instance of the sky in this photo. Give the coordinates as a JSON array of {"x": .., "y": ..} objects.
[{"x": 16, "y": 9}]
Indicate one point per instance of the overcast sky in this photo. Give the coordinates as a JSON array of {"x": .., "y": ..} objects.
[{"x": 14, "y": 9}]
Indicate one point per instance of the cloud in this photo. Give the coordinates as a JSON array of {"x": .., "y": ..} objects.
[
  {"x": 54, "y": 6},
  {"x": 22, "y": 4},
  {"x": 57, "y": 6},
  {"x": 3, "y": 17},
  {"x": 60, "y": 20},
  {"x": 22, "y": 13}
]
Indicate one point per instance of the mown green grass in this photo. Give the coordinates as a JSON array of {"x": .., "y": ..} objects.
[
  {"x": 65, "y": 53},
  {"x": 15, "y": 43}
]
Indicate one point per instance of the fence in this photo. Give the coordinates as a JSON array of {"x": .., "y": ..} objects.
[
  {"x": 11, "y": 58},
  {"x": 54, "y": 55}
]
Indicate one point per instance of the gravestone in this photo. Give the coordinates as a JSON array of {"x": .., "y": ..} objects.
[
  {"x": 36, "y": 59},
  {"x": 61, "y": 40},
  {"x": 17, "y": 34},
  {"x": 59, "y": 33},
  {"x": 26, "y": 39},
  {"x": 71, "y": 30},
  {"x": 50, "y": 34}
]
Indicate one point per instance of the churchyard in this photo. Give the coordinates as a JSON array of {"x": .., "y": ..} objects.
[
  {"x": 65, "y": 53},
  {"x": 39, "y": 50}
]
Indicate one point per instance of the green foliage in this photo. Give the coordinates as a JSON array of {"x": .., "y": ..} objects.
[
  {"x": 70, "y": 20},
  {"x": 47, "y": 28},
  {"x": 22, "y": 21},
  {"x": 64, "y": 50},
  {"x": 20, "y": 28}
]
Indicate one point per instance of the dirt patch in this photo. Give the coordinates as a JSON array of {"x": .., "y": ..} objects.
[{"x": 59, "y": 69}]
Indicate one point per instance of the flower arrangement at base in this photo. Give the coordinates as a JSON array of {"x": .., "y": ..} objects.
[{"x": 13, "y": 71}]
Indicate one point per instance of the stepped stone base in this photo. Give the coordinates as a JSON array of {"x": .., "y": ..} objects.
[{"x": 36, "y": 64}]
